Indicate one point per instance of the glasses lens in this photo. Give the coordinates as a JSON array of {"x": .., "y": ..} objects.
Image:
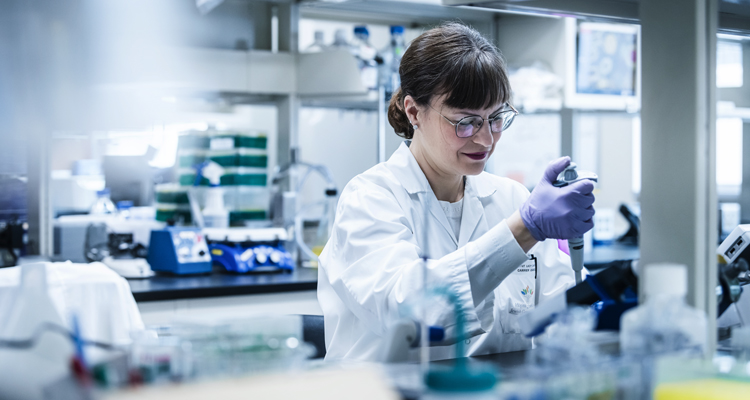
[
  {"x": 467, "y": 126},
  {"x": 502, "y": 121}
]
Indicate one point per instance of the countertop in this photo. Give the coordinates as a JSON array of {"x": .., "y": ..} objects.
[
  {"x": 601, "y": 255},
  {"x": 172, "y": 287}
]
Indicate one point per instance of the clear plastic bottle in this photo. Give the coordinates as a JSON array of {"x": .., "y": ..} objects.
[
  {"x": 318, "y": 45},
  {"x": 664, "y": 323},
  {"x": 389, "y": 76},
  {"x": 366, "y": 57},
  {"x": 103, "y": 204},
  {"x": 741, "y": 350},
  {"x": 340, "y": 41},
  {"x": 123, "y": 208}
]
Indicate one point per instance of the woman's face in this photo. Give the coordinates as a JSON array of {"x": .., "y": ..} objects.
[{"x": 448, "y": 153}]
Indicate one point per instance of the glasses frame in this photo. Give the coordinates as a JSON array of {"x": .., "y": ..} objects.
[{"x": 455, "y": 124}]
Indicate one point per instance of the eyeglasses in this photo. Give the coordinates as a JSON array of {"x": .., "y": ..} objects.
[{"x": 469, "y": 126}]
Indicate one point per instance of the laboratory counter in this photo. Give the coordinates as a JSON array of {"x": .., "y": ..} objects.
[
  {"x": 600, "y": 256},
  {"x": 168, "y": 287}
]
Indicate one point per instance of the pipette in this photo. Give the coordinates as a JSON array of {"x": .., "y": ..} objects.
[{"x": 568, "y": 176}]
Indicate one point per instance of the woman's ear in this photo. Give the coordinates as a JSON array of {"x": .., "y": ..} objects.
[{"x": 411, "y": 109}]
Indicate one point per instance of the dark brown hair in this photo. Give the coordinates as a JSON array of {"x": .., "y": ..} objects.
[{"x": 453, "y": 60}]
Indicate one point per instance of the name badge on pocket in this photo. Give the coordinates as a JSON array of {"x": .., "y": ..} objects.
[{"x": 518, "y": 294}]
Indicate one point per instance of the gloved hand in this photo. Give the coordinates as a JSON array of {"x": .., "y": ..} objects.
[{"x": 559, "y": 212}]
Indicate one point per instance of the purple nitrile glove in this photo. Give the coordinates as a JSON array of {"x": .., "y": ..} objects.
[{"x": 558, "y": 212}]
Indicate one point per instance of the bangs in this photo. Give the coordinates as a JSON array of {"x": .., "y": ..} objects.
[{"x": 475, "y": 81}]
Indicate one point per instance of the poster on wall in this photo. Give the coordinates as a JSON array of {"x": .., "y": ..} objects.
[{"x": 606, "y": 59}]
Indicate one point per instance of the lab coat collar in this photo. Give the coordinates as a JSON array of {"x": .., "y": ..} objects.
[{"x": 406, "y": 169}]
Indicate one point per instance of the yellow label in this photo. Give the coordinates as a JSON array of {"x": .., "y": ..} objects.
[{"x": 217, "y": 252}]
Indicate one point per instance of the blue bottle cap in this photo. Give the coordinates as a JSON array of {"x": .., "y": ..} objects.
[
  {"x": 124, "y": 204},
  {"x": 437, "y": 334},
  {"x": 361, "y": 30},
  {"x": 103, "y": 192},
  {"x": 397, "y": 29}
]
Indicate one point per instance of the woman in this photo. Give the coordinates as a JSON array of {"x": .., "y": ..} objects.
[{"x": 485, "y": 234}]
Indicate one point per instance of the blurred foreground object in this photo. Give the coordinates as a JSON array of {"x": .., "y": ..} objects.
[{"x": 362, "y": 383}]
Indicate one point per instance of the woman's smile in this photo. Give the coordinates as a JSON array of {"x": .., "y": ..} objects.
[{"x": 478, "y": 156}]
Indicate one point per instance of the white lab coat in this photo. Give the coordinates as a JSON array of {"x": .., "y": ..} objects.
[{"x": 371, "y": 266}]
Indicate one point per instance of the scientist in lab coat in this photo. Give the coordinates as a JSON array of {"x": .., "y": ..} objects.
[{"x": 485, "y": 235}]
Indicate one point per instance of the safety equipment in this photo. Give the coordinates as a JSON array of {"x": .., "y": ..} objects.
[
  {"x": 372, "y": 267},
  {"x": 559, "y": 212}
]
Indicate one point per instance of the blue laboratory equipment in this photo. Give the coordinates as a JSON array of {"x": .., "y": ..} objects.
[
  {"x": 179, "y": 251},
  {"x": 249, "y": 250},
  {"x": 460, "y": 378},
  {"x": 611, "y": 292}
]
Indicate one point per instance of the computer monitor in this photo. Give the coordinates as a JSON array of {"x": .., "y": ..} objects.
[{"x": 605, "y": 71}]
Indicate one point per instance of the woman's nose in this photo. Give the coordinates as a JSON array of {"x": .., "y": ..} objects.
[{"x": 484, "y": 136}]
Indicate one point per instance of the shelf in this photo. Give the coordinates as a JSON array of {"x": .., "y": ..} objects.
[
  {"x": 390, "y": 12},
  {"x": 734, "y": 17},
  {"x": 368, "y": 102}
]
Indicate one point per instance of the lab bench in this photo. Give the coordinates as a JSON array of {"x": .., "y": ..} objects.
[
  {"x": 163, "y": 298},
  {"x": 601, "y": 255}
]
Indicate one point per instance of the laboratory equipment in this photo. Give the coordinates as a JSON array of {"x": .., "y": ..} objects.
[
  {"x": 199, "y": 349},
  {"x": 340, "y": 41},
  {"x": 244, "y": 250},
  {"x": 132, "y": 177},
  {"x": 179, "y": 251},
  {"x": 389, "y": 75},
  {"x": 124, "y": 207},
  {"x": 367, "y": 57},
  {"x": 631, "y": 214},
  {"x": 318, "y": 44},
  {"x": 125, "y": 256},
  {"x": 735, "y": 246},
  {"x": 103, "y": 204},
  {"x": 460, "y": 378},
  {"x": 287, "y": 213},
  {"x": 405, "y": 334},
  {"x": 12, "y": 242},
  {"x": 566, "y": 177},
  {"x": 664, "y": 323},
  {"x": 244, "y": 159},
  {"x": 613, "y": 290},
  {"x": 77, "y": 235}
]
